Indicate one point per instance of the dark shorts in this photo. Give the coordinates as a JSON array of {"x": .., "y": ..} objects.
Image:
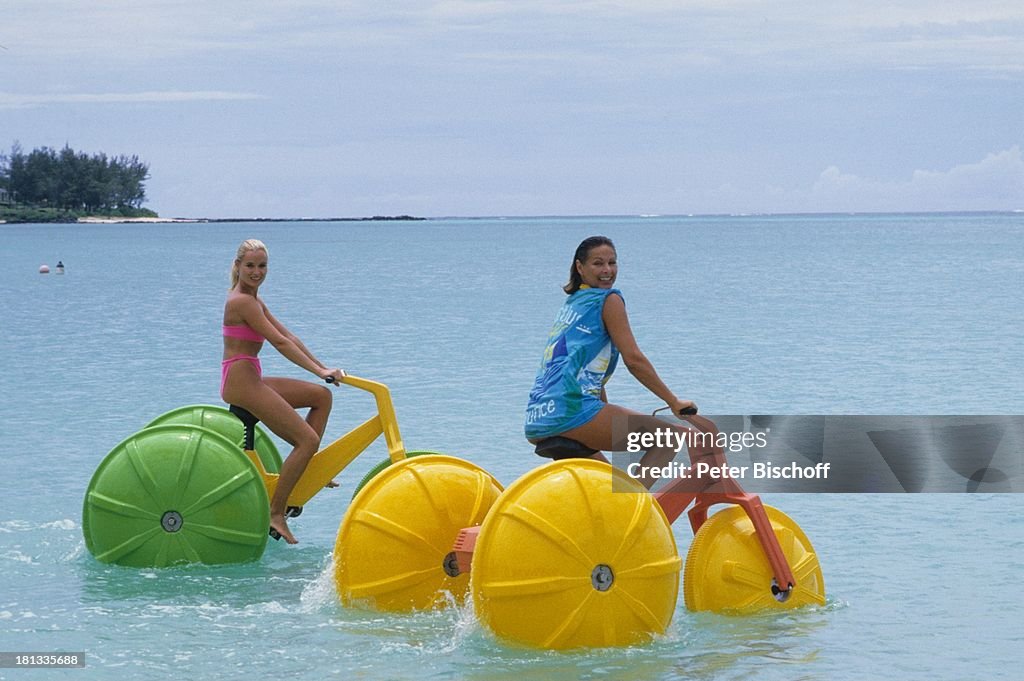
[{"x": 559, "y": 448}]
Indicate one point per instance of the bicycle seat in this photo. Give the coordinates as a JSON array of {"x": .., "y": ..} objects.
[
  {"x": 249, "y": 421},
  {"x": 559, "y": 448}
]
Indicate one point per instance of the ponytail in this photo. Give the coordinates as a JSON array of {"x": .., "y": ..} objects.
[{"x": 582, "y": 252}]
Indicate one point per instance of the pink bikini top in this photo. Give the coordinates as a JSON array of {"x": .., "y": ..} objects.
[{"x": 244, "y": 333}]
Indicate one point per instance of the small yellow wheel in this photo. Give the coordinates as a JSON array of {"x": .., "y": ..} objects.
[
  {"x": 394, "y": 546},
  {"x": 727, "y": 571},
  {"x": 563, "y": 562}
]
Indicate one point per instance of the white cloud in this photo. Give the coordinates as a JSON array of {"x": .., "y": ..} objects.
[
  {"x": 994, "y": 183},
  {"x": 21, "y": 101}
]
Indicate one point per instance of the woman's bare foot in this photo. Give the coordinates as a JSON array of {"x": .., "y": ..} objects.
[{"x": 277, "y": 522}]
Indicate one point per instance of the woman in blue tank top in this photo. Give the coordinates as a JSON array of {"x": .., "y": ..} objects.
[{"x": 590, "y": 334}]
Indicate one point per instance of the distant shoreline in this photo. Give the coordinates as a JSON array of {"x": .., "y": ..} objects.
[
  {"x": 120, "y": 220},
  {"x": 401, "y": 218},
  {"x": 380, "y": 218}
]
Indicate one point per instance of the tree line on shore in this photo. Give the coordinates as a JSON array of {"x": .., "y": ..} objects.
[{"x": 73, "y": 183}]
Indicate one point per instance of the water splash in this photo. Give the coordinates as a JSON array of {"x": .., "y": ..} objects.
[
  {"x": 320, "y": 593},
  {"x": 464, "y": 627}
]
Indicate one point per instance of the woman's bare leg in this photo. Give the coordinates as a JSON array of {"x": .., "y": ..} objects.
[
  {"x": 303, "y": 394},
  {"x": 245, "y": 389}
]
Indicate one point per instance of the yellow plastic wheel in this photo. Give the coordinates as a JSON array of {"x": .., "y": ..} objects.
[
  {"x": 728, "y": 572},
  {"x": 563, "y": 562},
  {"x": 394, "y": 546}
]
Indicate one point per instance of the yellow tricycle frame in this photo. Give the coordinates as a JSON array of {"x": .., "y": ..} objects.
[{"x": 332, "y": 459}]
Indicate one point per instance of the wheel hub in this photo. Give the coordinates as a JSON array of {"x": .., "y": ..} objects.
[
  {"x": 171, "y": 521},
  {"x": 602, "y": 577},
  {"x": 451, "y": 565}
]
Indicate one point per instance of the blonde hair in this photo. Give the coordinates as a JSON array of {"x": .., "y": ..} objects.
[{"x": 243, "y": 248}]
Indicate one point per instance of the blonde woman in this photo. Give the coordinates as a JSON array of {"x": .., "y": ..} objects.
[{"x": 247, "y": 324}]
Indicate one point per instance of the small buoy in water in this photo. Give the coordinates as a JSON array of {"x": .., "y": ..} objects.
[
  {"x": 44, "y": 269},
  {"x": 60, "y": 267}
]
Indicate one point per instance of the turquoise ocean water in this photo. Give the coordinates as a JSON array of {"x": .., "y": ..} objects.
[{"x": 864, "y": 314}]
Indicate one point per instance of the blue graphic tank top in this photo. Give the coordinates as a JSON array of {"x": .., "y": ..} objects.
[{"x": 579, "y": 358}]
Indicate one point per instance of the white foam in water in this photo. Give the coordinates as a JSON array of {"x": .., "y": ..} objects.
[
  {"x": 65, "y": 524},
  {"x": 24, "y": 526},
  {"x": 267, "y": 608},
  {"x": 19, "y": 557},
  {"x": 465, "y": 626},
  {"x": 320, "y": 592},
  {"x": 14, "y": 526},
  {"x": 75, "y": 553}
]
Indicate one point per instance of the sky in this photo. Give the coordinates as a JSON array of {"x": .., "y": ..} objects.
[{"x": 529, "y": 107}]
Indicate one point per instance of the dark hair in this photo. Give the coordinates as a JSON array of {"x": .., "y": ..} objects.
[{"x": 582, "y": 252}]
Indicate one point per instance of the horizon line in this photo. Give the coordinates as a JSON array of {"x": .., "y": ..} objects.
[{"x": 410, "y": 217}]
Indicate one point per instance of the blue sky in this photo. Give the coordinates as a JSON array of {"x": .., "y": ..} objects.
[{"x": 290, "y": 109}]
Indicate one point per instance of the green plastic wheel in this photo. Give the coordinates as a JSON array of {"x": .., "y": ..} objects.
[
  {"x": 376, "y": 470},
  {"x": 220, "y": 420},
  {"x": 172, "y": 494}
]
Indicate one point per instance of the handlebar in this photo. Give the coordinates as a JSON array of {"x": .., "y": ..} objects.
[{"x": 689, "y": 411}]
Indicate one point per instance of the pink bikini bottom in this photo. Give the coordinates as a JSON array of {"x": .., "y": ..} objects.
[{"x": 226, "y": 365}]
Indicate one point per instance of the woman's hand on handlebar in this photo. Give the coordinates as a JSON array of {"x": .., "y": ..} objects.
[
  {"x": 683, "y": 407},
  {"x": 334, "y": 376}
]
